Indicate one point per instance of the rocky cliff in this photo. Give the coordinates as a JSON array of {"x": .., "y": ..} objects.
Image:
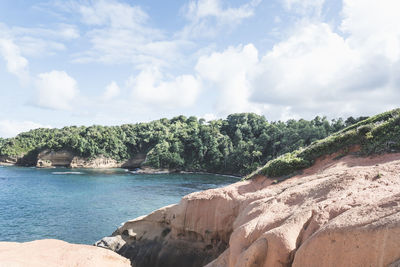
[
  {"x": 64, "y": 158},
  {"x": 54, "y": 158},
  {"x": 339, "y": 212},
  {"x": 50, "y": 253},
  {"x": 48, "y": 158}
]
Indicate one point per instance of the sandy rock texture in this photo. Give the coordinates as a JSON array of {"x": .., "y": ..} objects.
[
  {"x": 48, "y": 158},
  {"x": 98, "y": 163},
  {"x": 342, "y": 212},
  {"x": 50, "y": 253}
]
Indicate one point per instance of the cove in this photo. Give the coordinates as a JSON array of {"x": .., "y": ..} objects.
[{"x": 83, "y": 205}]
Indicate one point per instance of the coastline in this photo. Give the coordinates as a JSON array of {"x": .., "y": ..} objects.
[
  {"x": 67, "y": 159},
  {"x": 7, "y": 164},
  {"x": 258, "y": 223},
  {"x": 143, "y": 170}
]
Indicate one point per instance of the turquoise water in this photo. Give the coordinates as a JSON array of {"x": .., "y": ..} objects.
[{"x": 84, "y": 205}]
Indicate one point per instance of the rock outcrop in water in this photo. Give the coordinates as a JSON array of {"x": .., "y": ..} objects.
[
  {"x": 51, "y": 253},
  {"x": 342, "y": 212},
  {"x": 47, "y": 158}
]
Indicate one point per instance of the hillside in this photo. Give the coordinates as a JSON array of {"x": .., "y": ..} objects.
[
  {"x": 375, "y": 135},
  {"x": 339, "y": 207},
  {"x": 236, "y": 145}
]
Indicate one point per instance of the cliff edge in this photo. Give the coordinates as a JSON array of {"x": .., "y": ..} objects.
[{"x": 339, "y": 212}]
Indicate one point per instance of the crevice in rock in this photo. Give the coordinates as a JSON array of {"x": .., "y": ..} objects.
[{"x": 300, "y": 237}]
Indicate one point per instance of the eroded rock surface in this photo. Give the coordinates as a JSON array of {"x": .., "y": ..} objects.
[
  {"x": 48, "y": 158},
  {"x": 50, "y": 253},
  {"x": 337, "y": 213},
  {"x": 98, "y": 163}
]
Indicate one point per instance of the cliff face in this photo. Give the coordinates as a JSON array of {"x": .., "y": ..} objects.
[
  {"x": 7, "y": 160},
  {"x": 337, "y": 213},
  {"x": 50, "y": 158},
  {"x": 47, "y": 158},
  {"x": 50, "y": 253}
]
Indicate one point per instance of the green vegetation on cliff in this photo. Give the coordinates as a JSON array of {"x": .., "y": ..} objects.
[
  {"x": 377, "y": 134},
  {"x": 237, "y": 145}
]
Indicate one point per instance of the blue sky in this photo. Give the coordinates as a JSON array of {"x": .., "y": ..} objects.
[{"x": 111, "y": 61}]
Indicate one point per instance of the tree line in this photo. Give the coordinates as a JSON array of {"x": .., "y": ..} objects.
[{"x": 235, "y": 145}]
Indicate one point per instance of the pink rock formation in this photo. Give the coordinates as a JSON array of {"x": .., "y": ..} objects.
[
  {"x": 337, "y": 213},
  {"x": 50, "y": 253}
]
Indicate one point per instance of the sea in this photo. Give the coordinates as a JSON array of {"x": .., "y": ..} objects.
[{"x": 84, "y": 205}]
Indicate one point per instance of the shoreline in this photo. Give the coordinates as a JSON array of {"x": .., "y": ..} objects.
[
  {"x": 145, "y": 170},
  {"x": 8, "y": 164}
]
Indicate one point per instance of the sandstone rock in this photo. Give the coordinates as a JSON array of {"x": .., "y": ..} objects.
[
  {"x": 362, "y": 236},
  {"x": 98, "y": 163},
  {"x": 41, "y": 163},
  {"x": 337, "y": 213},
  {"x": 50, "y": 253},
  {"x": 49, "y": 158}
]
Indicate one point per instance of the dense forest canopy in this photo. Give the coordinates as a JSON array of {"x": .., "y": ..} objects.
[{"x": 236, "y": 145}]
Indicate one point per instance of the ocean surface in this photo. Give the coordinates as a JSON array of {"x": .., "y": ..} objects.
[{"x": 82, "y": 206}]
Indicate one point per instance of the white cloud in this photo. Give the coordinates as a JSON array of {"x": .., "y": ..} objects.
[
  {"x": 37, "y": 47},
  {"x": 40, "y": 41},
  {"x": 61, "y": 31},
  {"x": 119, "y": 33},
  {"x": 304, "y": 7},
  {"x": 209, "y": 117},
  {"x": 119, "y": 46},
  {"x": 372, "y": 26},
  {"x": 151, "y": 87},
  {"x": 304, "y": 65},
  {"x": 208, "y": 17},
  {"x": 12, "y": 128},
  {"x": 112, "y": 91},
  {"x": 316, "y": 70},
  {"x": 16, "y": 63},
  {"x": 115, "y": 14},
  {"x": 56, "y": 90},
  {"x": 227, "y": 73}
]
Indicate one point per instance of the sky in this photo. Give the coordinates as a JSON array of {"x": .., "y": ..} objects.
[{"x": 110, "y": 62}]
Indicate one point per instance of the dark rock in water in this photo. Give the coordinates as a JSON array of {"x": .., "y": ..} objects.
[
  {"x": 168, "y": 238},
  {"x": 163, "y": 253}
]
